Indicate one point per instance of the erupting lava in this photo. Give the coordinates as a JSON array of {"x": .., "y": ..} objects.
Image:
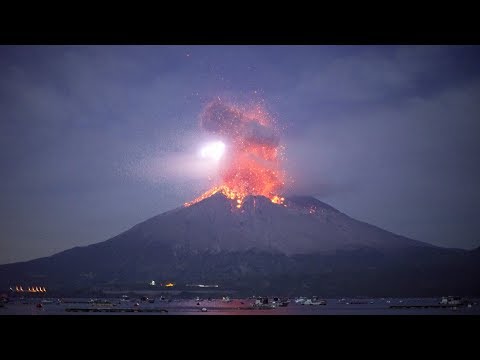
[{"x": 252, "y": 162}]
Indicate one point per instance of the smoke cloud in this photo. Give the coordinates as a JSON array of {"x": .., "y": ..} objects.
[
  {"x": 252, "y": 164},
  {"x": 252, "y": 126}
]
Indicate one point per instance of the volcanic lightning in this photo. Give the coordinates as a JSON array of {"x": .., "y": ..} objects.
[
  {"x": 213, "y": 150},
  {"x": 252, "y": 163}
]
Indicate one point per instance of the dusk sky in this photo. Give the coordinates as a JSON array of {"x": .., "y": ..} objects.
[{"x": 95, "y": 139}]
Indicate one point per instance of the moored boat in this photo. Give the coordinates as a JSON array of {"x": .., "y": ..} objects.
[{"x": 315, "y": 301}]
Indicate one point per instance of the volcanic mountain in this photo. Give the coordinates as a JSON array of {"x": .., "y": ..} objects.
[
  {"x": 302, "y": 246},
  {"x": 302, "y": 225}
]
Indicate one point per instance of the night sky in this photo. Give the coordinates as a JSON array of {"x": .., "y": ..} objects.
[{"x": 94, "y": 139}]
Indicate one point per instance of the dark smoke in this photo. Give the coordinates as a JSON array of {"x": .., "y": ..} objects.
[{"x": 222, "y": 119}]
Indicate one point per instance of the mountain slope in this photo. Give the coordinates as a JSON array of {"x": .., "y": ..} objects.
[
  {"x": 304, "y": 225},
  {"x": 305, "y": 246}
]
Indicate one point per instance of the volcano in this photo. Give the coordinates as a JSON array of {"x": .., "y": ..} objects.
[
  {"x": 301, "y": 225},
  {"x": 299, "y": 246}
]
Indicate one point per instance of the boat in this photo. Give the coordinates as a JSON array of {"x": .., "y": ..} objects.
[
  {"x": 359, "y": 302},
  {"x": 262, "y": 303},
  {"x": 300, "y": 300},
  {"x": 100, "y": 302},
  {"x": 453, "y": 300},
  {"x": 278, "y": 302},
  {"x": 314, "y": 301}
]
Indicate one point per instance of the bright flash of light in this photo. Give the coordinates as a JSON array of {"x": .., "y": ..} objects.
[{"x": 213, "y": 150}]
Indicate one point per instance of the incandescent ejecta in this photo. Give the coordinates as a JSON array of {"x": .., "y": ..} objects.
[{"x": 251, "y": 161}]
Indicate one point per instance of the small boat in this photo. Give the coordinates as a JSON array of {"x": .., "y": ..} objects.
[
  {"x": 300, "y": 300},
  {"x": 453, "y": 300},
  {"x": 315, "y": 301},
  {"x": 262, "y": 303},
  {"x": 358, "y": 302},
  {"x": 100, "y": 302}
]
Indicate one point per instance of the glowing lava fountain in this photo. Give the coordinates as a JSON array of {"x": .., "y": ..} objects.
[{"x": 252, "y": 163}]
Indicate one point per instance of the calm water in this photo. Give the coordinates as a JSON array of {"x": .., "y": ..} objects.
[{"x": 236, "y": 307}]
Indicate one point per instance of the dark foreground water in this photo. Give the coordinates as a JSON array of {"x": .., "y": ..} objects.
[{"x": 234, "y": 307}]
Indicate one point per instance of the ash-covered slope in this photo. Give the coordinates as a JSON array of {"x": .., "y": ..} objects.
[
  {"x": 304, "y": 247},
  {"x": 305, "y": 225}
]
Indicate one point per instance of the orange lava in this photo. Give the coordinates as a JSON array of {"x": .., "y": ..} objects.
[{"x": 252, "y": 164}]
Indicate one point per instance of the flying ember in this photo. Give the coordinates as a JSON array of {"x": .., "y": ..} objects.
[{"x": 251, "y": 164}]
